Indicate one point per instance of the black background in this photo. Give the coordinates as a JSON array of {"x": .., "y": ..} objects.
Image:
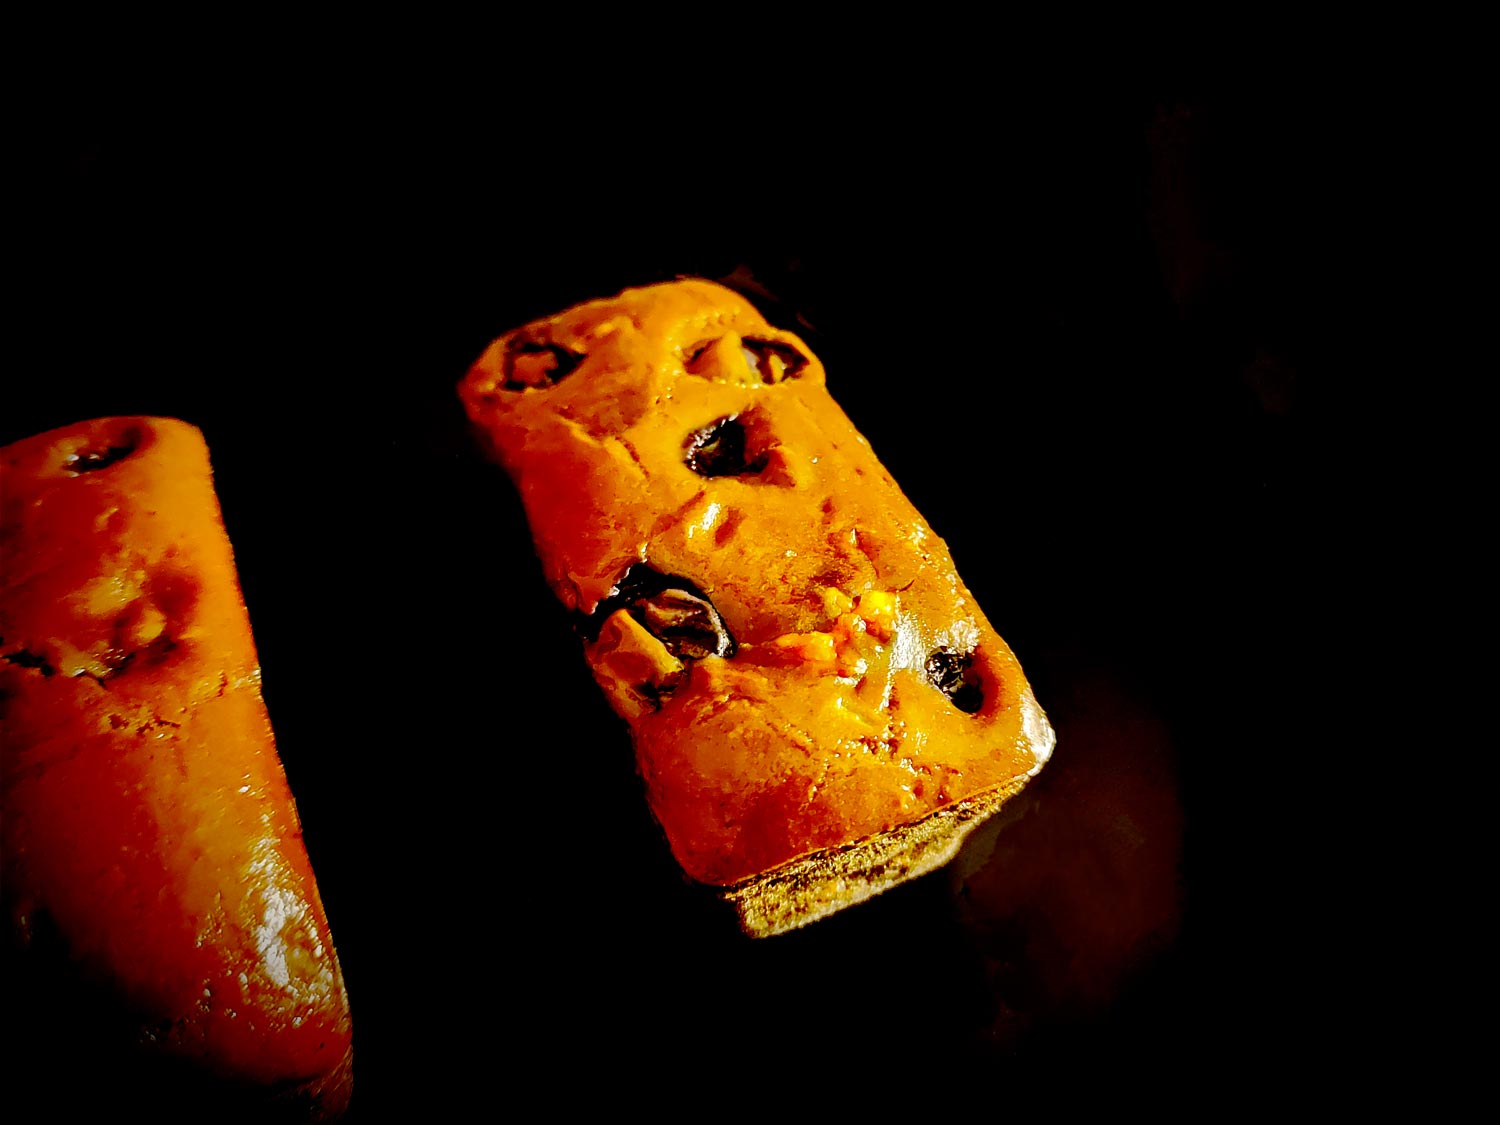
[{"x": 1090, "y": 336}]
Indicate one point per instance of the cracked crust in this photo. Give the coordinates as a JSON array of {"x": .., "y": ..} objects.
[{"x": 831, "y": 756}]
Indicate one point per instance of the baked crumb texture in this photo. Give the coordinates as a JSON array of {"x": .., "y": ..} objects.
[
  {"x": 819, "y": 709},
  {"x": 149, "y": 834}
]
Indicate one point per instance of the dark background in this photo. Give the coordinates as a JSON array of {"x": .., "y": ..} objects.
[{"x": 1092, "y": 338}]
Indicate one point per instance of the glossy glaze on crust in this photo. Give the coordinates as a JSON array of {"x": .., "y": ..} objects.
[
  {"x": 671, "y": 433},
  {"x": 148, "y": 826}
]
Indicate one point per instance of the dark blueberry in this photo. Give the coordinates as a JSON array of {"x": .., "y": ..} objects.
[
  {"x": 92, "y": 460},
  {"x": 758, "y": 353},
  {"x": 672, "y": 609},
  {"x": 687, "y": 624},
  {"x": 718, "y": 450},
  {"x": 953, "y": 674},
  {"x": 793, "y": 361}
]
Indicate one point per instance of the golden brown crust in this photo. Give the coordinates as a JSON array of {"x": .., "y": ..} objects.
[
  {"x": 803, "y": 672},
  {"x": 149, "y": 831}
]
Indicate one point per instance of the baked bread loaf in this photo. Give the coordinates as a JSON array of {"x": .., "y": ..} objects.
[
  {"x": 818, "y": 707},
  {"x": 151, "y": 844}
]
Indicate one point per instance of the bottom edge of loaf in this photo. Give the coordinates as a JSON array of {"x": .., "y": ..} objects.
[{"x": 825, "y": 882}]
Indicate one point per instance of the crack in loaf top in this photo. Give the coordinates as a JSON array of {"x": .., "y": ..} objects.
[{"x": 672, "y": 428}]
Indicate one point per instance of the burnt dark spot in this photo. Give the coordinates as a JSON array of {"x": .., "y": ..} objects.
[
  {"x": 658, "y": 693},
  {"x": 720, "y": 450},
  {"x": 24, "y": 659},
  {"x": 953, "y": 674},
  {"x": 672, "y": 609},
  {"x": 534, "y": 363},
  {"x": 791, "y": 362},
  {"x": 729, "y": 527}
]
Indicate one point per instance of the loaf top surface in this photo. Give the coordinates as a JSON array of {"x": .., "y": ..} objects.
[
  {"x": 799, "y": 662},
  {"x": 148, "y": 823}
]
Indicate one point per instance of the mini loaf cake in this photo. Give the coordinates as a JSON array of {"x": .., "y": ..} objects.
[
  {"x": 818, "y": 707},
  {"x": 151, "y": 844}
]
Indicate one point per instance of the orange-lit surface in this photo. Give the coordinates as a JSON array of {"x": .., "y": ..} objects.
[
  {"x": 147, "y": 820},
  {"x": 822, "y": 728}
]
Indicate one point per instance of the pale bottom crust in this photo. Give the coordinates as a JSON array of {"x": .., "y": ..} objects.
[{"x": 825, "y": 882}]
